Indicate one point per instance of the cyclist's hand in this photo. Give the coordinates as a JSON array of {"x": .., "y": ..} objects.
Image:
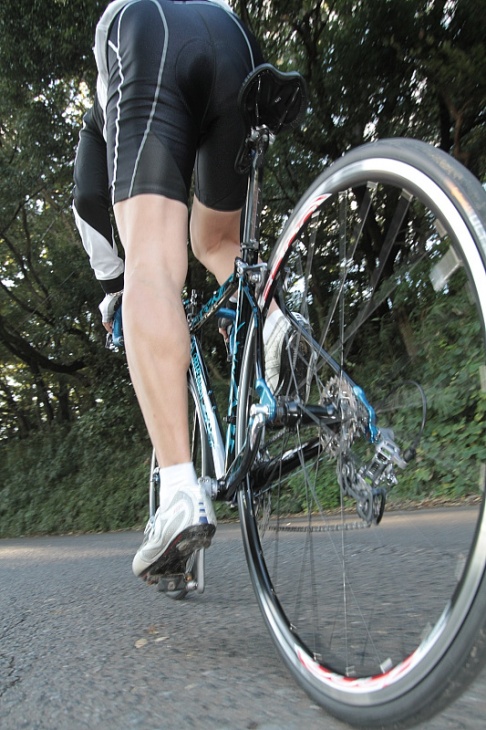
[
  {"x": 107, "y": 309},
  {"x": 225, "y": 327},
  {"x": 225, "y": 324}
]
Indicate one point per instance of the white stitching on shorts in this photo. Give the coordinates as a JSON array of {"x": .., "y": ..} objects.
[{"x": 154, "y": 103}]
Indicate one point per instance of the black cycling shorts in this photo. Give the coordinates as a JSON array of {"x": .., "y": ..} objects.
[{"x": 175, "y": 70}]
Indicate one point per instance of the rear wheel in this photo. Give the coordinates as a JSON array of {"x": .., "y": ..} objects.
[{"x": 381, "y": 618}]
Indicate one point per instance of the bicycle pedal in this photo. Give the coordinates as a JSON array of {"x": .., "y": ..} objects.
[
  {"x": 171, "y": 566},
  {"x": 171, "y": 583}
]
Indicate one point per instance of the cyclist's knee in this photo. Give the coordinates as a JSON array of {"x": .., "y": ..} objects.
[{"x": 213, "y": 233}]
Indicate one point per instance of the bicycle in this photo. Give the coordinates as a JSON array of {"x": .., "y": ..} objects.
[{"x": 377, "y": 622}]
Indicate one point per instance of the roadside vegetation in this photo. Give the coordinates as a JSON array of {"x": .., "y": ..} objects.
[{"x": 74, "y": 454}]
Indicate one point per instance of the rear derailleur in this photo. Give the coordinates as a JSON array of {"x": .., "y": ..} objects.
[{"x": 368, "y": 483}]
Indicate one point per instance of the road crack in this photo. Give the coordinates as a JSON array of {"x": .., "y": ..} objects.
[{"x": 9, "y": 675}]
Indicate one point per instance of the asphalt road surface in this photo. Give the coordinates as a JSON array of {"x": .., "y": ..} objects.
[{"x": 84, "y": 645}]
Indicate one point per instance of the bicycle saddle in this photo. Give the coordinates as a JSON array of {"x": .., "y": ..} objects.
[{"x": 272, "y": 98}]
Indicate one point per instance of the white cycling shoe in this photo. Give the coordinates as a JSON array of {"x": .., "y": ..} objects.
[
  {"x": 273, "y": 352},
  {"x": 286, "y": 356},
  {"x": 186, "y": 523}
]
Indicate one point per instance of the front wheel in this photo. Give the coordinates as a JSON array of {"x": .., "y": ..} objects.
[{"x": 363, "y": 519}]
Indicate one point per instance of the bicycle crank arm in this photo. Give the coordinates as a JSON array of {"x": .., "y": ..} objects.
[{"x": 244, "y": 461}]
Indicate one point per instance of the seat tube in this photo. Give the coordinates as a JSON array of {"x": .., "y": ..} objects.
[
  {"x": 250, "y": 244},
  {"x": 251, "y": 231}
]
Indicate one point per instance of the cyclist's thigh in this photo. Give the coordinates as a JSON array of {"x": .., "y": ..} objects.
[
  {"x": 151, "y": 133},
  {"x": 236, "y": 53},
  {"x": 175, "y": 73}
]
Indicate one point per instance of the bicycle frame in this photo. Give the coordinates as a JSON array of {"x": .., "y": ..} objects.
[
  {"x": 252, "y": 283},
  {"x": 249, "y": 276},
  {"x": 248, "y": 281}
]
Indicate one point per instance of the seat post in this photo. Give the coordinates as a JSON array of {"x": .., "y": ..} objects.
[{"x": 259, "y": 141}]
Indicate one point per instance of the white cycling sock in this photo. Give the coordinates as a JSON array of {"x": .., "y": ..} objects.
[
  {"x": 270, "y": 324},
  {"x": 173, "y": 478}
]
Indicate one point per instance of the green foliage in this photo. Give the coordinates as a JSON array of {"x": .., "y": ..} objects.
[
  {"x": 44, "y": 41},
  {"x": 90, "y": 476},
  {"x": 373, "y": 69},
  {"x": 447, "y": 361}
]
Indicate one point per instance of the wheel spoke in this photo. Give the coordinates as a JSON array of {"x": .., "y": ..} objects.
[{"x": 367, "y": 546}]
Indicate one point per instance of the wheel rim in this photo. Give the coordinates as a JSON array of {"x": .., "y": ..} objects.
[{"x": 359, "y": 636}]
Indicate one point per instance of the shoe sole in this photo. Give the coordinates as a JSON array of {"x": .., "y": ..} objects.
[{"x": 174, "y": 558}]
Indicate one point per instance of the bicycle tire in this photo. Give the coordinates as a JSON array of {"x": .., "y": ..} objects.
[
  {"x": 381, "y": 626},
  {"x": 201, "y": 458}
]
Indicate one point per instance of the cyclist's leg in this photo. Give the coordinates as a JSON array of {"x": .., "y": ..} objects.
[
  {"x": 215, "y": 238},
  {"x": 153, "y": 230},
  {"x": 220, "y": 191},
  {"x": 151, "y": 145},
  {"x": 157, "y": 346},
  {"x": 150, "y": 175}
]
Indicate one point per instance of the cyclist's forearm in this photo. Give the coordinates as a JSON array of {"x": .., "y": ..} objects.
[{"x": 103, "y": 255}]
